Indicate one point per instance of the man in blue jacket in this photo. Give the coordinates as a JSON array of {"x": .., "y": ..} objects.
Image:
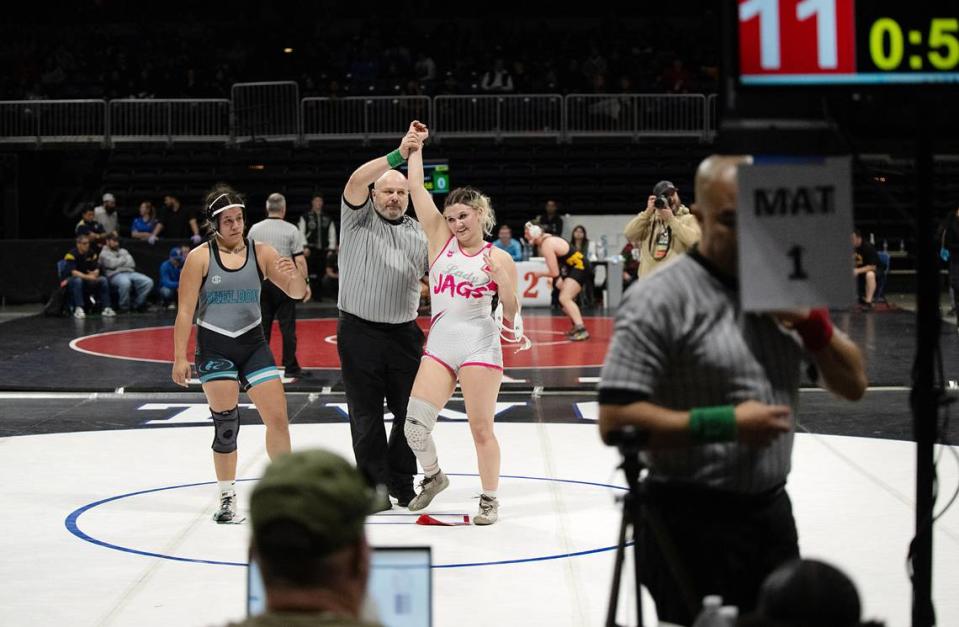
[{"x": 170, "y": 277}]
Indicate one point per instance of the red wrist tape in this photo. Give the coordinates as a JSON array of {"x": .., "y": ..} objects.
[{"x": 816, "y": 330}]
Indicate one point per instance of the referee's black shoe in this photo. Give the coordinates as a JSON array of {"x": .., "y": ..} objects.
[{"x": 403, "y": 496}]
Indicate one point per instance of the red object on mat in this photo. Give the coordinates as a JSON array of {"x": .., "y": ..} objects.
[{"x": 426, "y": 519}]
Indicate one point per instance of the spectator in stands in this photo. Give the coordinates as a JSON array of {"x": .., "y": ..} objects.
[
  {"x": 91, "y": 228},
  {"x": 595, "y": 65},
  {"x": 675, "y": 78},
  {"x": 320, "y": 233},
  {"x": 867, "y": 267},
  {"x": 117, "y": 263},
  {"x": 498, "y": 79},
  {"x": 506, "y": 242},
  {"x": 176, "y": 223},
  {"x": 170, "y": 277},
  {"x": 331, "y": 275},
  {"x": 663, "y": 230},
  {"x": 106, "y": 214},
  {"x": 145, "y": 223},
  {"x": 308, "y": 514},
  {"x": 550, "y": 221},
  {"x": 83, "y": 271},
  {"x": 630, "y": 264},
  {"x": 425, "y": 69}
]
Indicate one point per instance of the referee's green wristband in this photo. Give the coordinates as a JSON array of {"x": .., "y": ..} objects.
[
  {"x": 713, "y": 424},
  {"x": 395, "y": 158}
]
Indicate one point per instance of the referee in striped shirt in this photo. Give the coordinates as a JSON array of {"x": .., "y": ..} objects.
[
  {"x": 715, "y": 391},
  {"x": 274, "y": 303},
  {"x": 382, "y": 257}
]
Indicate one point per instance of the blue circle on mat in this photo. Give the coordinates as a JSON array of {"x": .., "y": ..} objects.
[{"x": 71, "y": 524}]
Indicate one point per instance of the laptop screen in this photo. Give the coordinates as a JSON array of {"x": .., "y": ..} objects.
[{"x": 400, "y": 586}]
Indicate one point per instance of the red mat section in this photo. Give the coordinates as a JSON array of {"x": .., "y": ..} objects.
[{"x": 316, "y": 346}]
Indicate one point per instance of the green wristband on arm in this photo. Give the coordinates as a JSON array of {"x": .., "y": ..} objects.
[
  {"x": 395, "y": 158},
  {"x": 713, "y": 424}
]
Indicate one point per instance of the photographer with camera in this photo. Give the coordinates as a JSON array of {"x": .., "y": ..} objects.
[
  {"x": 663, "y": 230},
  {"x": 715, "y": 392}
]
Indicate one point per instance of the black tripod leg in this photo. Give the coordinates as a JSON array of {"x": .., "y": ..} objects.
[{"x": 618, "y": 570}]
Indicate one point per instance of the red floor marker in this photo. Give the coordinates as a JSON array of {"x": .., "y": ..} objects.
[{"x": 426, "y": 519}]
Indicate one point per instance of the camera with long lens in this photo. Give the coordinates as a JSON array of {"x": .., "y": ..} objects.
[{"x": 661, "y": 202}]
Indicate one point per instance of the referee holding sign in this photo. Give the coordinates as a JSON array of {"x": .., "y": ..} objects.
[{"x": 382, "y": 257}]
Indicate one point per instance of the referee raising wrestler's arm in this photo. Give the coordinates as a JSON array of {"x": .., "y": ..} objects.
[
  {"x": 713, "y": 391},
  {"x": 381, "y": 260}
]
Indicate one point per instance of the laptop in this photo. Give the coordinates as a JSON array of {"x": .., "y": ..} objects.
[{"x": 400, "y": 586}]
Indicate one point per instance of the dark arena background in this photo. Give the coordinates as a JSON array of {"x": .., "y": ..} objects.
[{"x": 107, "y": 487}]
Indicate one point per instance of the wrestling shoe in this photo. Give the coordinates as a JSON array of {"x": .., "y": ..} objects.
[
  {"x": 429, "y": 488},
  {"x": 488, "y": 511}
]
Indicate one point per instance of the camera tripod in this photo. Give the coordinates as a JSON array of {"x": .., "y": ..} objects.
[{"x": 637, "y": 513}]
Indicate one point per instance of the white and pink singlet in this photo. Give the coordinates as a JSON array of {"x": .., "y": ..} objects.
[{"x": 462, "y": 331}]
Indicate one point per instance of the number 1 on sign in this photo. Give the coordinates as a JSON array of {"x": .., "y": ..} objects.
[{"x": 798, "y": 274}]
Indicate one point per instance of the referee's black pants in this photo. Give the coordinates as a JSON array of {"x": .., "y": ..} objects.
[
  {"x": 379, "y": 361},
  {"x": 275, "y": 304},
  {"x": 726, "y": 544}
]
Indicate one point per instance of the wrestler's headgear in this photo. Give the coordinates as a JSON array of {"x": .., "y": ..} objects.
[{"x": 220, "y": 204}]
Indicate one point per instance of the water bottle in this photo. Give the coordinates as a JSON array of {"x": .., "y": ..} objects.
[
  {"x": 709, "y": 616},
  {"x": 729, "y": 614},
  {"x": 603, "y": 247}
]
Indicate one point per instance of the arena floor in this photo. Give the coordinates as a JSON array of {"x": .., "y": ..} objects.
[{"x": 108, "y": 489}]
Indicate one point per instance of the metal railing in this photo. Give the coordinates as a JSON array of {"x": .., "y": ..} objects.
[
  {"x": 53, "y": 121},
  {"x": 274, "y": 112},
  {"x": 187, "y": 120},
  {"x": 540, "y": 115},
  {"x": 712, "y": 116},
  {"x": 636, "y": 115},
  {"x": 266, "y": 111},
  {"x": 364, "y": 118}
]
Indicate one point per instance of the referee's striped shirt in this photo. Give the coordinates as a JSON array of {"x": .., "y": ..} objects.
[
  {"x": 280, "y": 234},
  {"x": 381, "y": 263},
  {"x": 680, "y": 342}
]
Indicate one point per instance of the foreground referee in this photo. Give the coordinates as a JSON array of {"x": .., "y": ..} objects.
[
  {"x": 716, "y": 390},
  {"x": 382, "y": 257}
]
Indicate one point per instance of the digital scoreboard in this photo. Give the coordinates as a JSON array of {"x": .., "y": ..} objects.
[{"x": 847, "y": 42}]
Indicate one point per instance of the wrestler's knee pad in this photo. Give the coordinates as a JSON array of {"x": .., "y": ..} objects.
[
  {"x": 420, "y": 420},
  {"x": 226, "y": 426}
]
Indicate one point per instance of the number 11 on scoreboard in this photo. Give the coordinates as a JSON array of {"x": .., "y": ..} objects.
[{"x": 797, "y": 36}]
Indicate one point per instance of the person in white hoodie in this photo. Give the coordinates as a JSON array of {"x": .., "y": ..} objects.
[{"x": 120, "y": 269}]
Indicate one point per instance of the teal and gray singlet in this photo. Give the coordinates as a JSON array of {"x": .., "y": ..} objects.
[
  {"x": 229, "y": 340},
  {"x": 229, "y": 300}
]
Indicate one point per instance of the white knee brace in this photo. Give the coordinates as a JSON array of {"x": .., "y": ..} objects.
[{"x": 420, "y": 421}]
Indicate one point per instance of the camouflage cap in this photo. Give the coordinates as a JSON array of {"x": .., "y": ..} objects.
[{"x": 316, "y": 489}]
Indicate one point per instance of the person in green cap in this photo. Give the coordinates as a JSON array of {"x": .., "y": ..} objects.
[{"x": 308, "y": 514}]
